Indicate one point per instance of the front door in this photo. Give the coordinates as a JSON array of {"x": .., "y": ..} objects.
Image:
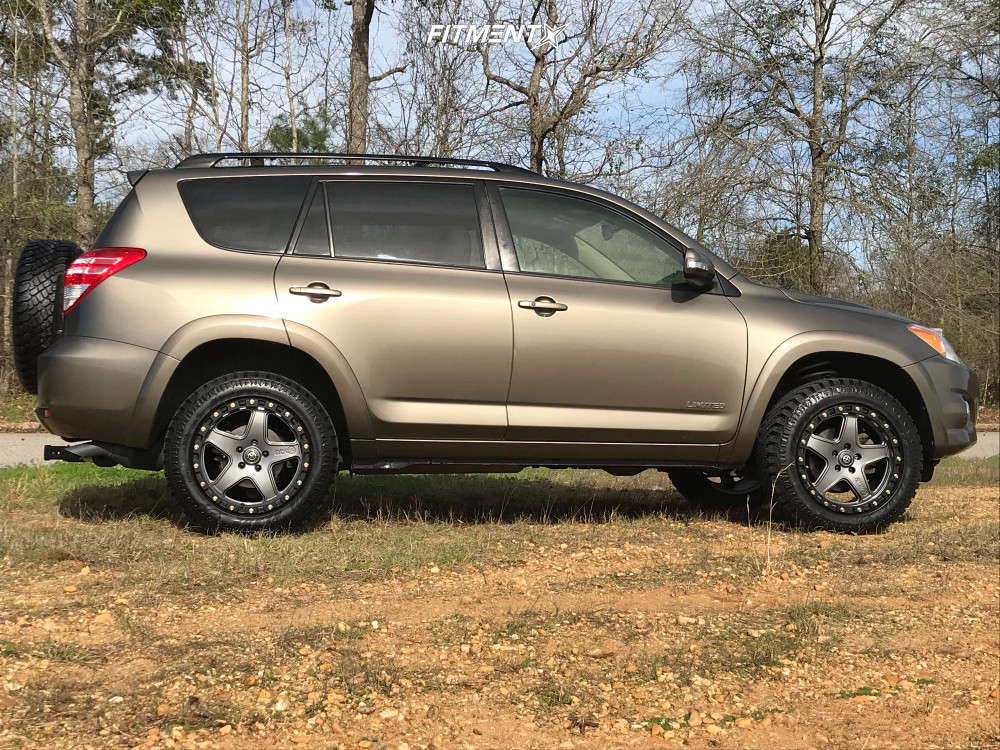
[
  {"x": 610, "y": 344},
  {"x": 405, "y": 292}
]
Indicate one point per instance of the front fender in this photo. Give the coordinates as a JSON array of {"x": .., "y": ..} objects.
[{"x": 783, "y": 357}]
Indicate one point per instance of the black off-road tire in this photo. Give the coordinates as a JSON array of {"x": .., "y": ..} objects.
[
  {"x": 36, "y": 309},
  {"x": 247, "y": 391},
  {"x": 781, "y": 453},
  {"x": 703, "y": 492}
]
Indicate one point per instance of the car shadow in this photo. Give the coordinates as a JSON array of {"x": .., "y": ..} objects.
[{"x": 449, "y": 498}]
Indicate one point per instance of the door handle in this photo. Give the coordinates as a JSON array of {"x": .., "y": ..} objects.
[
  {"x": 544, "y": 306},
  {"x": 317, "y": 291}
]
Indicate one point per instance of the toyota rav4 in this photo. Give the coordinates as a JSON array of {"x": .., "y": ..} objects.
[{"x": 255, "y": 323}]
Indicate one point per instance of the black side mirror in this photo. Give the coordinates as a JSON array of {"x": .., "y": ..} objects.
[{"x": 699, "y": 271}]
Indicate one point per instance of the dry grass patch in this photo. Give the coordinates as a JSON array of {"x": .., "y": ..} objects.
[{"x": 531, "y": 611}]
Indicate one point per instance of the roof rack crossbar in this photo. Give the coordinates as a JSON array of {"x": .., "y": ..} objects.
[{"x": 212, "y": 159}]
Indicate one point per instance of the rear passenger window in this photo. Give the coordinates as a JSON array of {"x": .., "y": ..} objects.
[
  {"x": 256, "y": 214},
  {"x": 416, "y": 222}
]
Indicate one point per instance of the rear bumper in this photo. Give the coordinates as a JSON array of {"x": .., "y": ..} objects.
[
  {"x": 89, "y": 388},
  {"x": 949, "y": 391}
]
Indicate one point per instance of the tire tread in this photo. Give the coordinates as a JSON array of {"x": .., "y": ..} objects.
[
  {"x": 304, "y": 509},
  {"x": 36, "y": 310},
  {"x": 777, "y": 430}
]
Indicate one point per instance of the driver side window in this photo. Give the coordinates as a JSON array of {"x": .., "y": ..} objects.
[{"x": 562, "y": 235}]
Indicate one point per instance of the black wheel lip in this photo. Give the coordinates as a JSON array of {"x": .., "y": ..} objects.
[
  {"x": 894, "y": 473},
  {"x": 216, "y": 413}
]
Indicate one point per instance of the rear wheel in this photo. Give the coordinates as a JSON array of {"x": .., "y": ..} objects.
[
  {"x": 715, "y": 489},
  {"x": 251, "y": 451},
  {"x": 843, "y": 453}
]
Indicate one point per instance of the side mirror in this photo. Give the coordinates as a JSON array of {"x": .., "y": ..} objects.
[{"x": 699, "y": 271}]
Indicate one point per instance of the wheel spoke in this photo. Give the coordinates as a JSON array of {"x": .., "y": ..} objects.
[
  {"x": 827, "y": 478},
  {"x": 257, "y": 427},
  {"x": 226, "y": 442},
  {"x": 848, "y": 431},
  {"x": 264, "y": 482},
  {"x": 859, "y": 483},
  {"x": 871, "y": 454},
  {"x": 823, "y": 446},
  {"x": 229, "y": 477}
]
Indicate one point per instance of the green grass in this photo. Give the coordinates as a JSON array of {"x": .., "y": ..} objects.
[
  {"x": 126, "y": 521},
  {"x": 17, "y": 407},
  {"x": 383, "y": 526},
  {"x": 961, "y": 472}
]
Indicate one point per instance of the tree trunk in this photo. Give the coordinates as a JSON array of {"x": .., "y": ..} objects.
[
  {"x": 817, "y": 209},
  {"x": 192, "y": 107},
  {"x": 539, "y": 126},
  {"x": 357, "y": 102},
  {"x": 82, "y": 82},
  {"x": 817, "y": 154},
  {"x": 243, "y": 26},
  {"x": 286, "y": 8}
]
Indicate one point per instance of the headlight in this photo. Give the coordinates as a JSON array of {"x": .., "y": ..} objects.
[{"x": 934, "y": 338}]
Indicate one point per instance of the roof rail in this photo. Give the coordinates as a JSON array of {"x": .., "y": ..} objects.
[{"x": 212, "y": 159}]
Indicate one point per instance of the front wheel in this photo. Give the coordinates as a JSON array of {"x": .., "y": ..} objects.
[
  {"x": 251, "y": 451},
  {"x": 843, "y": 454}
]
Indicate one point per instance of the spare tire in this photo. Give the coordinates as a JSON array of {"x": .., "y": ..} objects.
[{"x": 36, "y": 310}]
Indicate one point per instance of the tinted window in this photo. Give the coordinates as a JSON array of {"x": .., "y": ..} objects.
[
  {"x": 314, "y": 238},
  {"x": 566, "y": 236},
  {"x": 419, "y": 222},
  {"x": 245, "y": 213}
]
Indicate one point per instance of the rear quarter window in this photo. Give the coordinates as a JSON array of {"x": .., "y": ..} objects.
[{"x": 252, "y": 214}]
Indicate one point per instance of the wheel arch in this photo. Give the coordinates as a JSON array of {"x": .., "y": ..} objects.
[
  {"x": 219, "y": 356},
  {"x": 794, "y": 363}
]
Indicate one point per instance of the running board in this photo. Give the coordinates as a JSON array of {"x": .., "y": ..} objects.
[{"x": 478, "y": 466}]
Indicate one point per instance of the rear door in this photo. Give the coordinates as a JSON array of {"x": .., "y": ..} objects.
[{"x": 405, "y": 288}]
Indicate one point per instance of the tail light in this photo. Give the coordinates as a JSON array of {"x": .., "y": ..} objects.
[{"x": 90, "y": 269}]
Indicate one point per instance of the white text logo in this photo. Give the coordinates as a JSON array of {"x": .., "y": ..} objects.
[{"x": 536, "y": 34}]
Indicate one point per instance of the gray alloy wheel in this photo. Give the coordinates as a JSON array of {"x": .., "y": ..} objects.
[
  {"x": 843, "y": 454},
  {"x": 849, "y": 457},
  {"x": 253, "y": 455},
  {"x": 251, "y": 451}
]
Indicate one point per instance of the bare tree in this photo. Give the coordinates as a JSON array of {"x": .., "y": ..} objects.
[
  {"x": 810, "y": 70},
  {"x": 91, "y": 30},
  {"x": 362, "y": 12},
  {"x": 554, "y": 81}
]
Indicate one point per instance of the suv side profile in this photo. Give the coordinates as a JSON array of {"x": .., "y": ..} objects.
[{"x": 253, "y": 328}]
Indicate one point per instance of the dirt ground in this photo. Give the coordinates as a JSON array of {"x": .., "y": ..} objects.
[{"x": 546, "y": 610}]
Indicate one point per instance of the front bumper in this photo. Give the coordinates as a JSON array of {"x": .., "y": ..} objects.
[
  {"x": 89, "y": 387},
  {"x": 949, "y": 392}
]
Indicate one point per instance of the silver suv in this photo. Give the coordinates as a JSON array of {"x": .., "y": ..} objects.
[{"x": 254, "y": 324}]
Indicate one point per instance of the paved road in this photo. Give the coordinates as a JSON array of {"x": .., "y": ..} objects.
[
  {"x": 24, "y": 448},
  {"x": 27, "y": 448}
]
